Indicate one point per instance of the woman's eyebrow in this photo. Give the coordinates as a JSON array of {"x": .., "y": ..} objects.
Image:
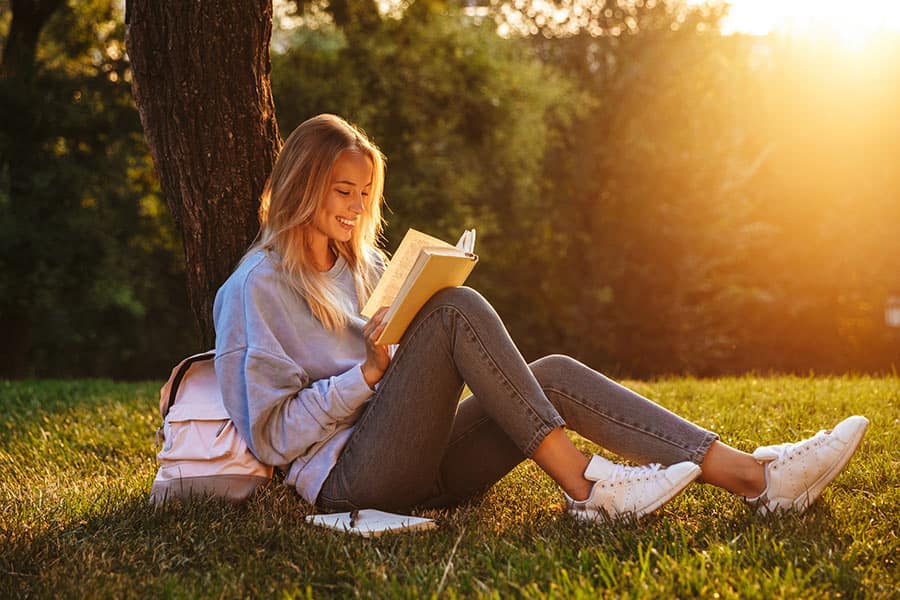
[{"x": 348, "y": 182}]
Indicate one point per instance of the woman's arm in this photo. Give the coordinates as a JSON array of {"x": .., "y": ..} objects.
[
  {"x": 274, "y": 402},
  {"x": 280, "y": 412}
]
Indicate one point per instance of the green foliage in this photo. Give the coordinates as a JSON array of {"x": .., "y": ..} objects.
[
  {"x": 466, "y": 120},
  {"x": 647, "y": 199},
  {"x": 77, "y": 461},
  {"x": 710, "y": 208},
  {"x": 651, "y": 197},
  {"x": 91, "y": 280},
  {"x": 653, "y": 206},
  {"x": 461, "y": 114}
]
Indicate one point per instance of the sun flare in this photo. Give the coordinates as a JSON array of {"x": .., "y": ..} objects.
[{"x": 853, "y": 23}]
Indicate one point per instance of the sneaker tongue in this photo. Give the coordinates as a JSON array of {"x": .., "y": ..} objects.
[
  {"x": 599, "y": 469},
  {"x": 766, "y": 453}
]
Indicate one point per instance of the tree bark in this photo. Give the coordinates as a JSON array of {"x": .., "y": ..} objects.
[{"x": 200, "y": 79}]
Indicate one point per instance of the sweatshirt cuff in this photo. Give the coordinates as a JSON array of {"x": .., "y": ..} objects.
[{"x": 352, "y": 387}]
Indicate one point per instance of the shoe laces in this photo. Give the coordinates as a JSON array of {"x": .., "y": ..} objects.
[
  {"x": 625, "y": 472},
  {"x": 781, "y": 451}
]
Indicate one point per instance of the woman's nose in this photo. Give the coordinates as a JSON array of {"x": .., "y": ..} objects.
[{"x": 357, "y": 205}]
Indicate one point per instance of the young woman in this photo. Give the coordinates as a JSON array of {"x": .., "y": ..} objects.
[{"x": 358, "y": 425}]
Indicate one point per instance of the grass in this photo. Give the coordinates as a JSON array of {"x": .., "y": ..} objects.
[{"x": 77, "y": 460}]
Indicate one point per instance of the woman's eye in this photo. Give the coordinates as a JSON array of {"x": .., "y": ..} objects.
[{"x": 343, "y": 192}]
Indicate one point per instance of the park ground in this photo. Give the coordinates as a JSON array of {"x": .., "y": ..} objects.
[{"x": 77, "y": 460}]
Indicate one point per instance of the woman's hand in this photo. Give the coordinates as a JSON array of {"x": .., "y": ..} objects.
[{"x": 378, "y": 356}]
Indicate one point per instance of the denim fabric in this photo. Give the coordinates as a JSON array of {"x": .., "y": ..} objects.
[{"x": 416, "y": 444}]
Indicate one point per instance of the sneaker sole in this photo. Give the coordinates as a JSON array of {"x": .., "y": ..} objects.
[{"x": 815, "y": 490}]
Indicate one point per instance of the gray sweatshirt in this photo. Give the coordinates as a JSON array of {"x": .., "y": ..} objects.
[{"x": 292, "y": 388}]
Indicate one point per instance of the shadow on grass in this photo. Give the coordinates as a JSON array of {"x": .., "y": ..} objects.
[
  {"x": 212, "y": 548},
  {"x": 514, "y": 541},
  {"x": 209, "y": 548}
]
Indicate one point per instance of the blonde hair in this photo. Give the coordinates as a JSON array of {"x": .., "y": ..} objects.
[{"x": 292, "y": 198}]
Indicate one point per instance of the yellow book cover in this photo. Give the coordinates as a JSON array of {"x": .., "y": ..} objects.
[{"x": 421, "y": 267}]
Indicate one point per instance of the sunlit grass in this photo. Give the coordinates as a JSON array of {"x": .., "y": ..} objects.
[{"x": 76, "y": 462}]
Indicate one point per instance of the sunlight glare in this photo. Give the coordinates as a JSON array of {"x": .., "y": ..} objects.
[{"x": 854, "y": 23}]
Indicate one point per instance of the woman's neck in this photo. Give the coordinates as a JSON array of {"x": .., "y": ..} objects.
[{"x": 322, "y": 257}]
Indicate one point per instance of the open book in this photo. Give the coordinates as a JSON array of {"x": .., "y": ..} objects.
[
  {"x": 370, "y": 522},
  {"x": 421, "y": 266}
]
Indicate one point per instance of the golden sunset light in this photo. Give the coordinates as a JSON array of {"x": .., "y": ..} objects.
[
  {"x": 853, "y": 23},
  {"x": 245, "y": 355}
]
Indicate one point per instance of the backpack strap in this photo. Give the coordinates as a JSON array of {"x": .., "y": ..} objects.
[{"x": 180, "y": 372}]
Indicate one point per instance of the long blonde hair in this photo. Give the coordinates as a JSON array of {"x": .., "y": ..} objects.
[{"x": 291, "y": 200}]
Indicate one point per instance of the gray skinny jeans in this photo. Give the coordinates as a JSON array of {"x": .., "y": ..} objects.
[{"x": 415, "y": 444}]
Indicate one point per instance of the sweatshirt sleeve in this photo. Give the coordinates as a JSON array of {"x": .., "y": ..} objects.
[
  {"x": 273, "y": 402},
  {"x": 280, "y": 412}
]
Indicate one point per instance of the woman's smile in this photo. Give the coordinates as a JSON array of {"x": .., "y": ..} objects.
[{"x": 342, "y": 203}]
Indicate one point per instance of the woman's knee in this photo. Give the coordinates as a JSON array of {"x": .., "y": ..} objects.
[
  {"x": 464, "y": 299},
  {"x": 554, "y": 367}
]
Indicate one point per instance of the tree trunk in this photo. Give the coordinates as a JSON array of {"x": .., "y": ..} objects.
[
  {"x": 201, "y": 85},
  {"x": 20, "y": 157}
]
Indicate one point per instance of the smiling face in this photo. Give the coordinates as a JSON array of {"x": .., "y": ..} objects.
[{"x": 344, "y": 200}]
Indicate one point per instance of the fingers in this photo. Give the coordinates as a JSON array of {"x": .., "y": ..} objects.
[
  {"x": 373, "y": 334},
  {"x": 376, "y": 333},
  {"x": 374, "y": 327},
  {"x": 378, "y": 317}
]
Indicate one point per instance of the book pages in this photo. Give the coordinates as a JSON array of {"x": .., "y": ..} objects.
[
  {"x": 399, "y": 266},
  {"x": 466, "y": 242},
  {"x": 434, "y": 270}
]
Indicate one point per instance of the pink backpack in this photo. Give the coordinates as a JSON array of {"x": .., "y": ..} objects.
[{"x": 202, "y": 452}]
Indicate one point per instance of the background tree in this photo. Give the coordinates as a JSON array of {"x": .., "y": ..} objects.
[
  {"x": 90, "y": 279},
  {"x": 20, "y": 149},
  {"x": 466, "y": 119},
  {"x": 201, "y": 85},
  {"x": 651, "y": 196}
]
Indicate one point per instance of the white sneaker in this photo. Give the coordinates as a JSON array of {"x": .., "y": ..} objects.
[
  {"x": 620, "y": 490},
  {"x": 797, "y": 473}
]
